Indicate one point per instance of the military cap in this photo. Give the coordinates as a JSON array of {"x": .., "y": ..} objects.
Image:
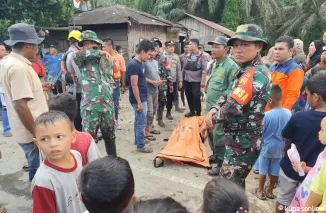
[
  {"x": 89, "y": 35},
  {"x": 171, "y": 42},
  {"x": 221, "y": 40},
  {"x": 249, "y": 32}
]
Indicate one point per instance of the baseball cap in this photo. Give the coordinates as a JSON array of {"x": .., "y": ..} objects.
[{"x": 222, "y": 40}]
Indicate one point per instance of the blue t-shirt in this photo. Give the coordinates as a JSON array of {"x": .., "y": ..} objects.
[
  {"x": 303, "y": 129},
  {"x": 274, "y": 122},
  {"x": 137, "y": 68},
  {"x": 53, "y": 64}
]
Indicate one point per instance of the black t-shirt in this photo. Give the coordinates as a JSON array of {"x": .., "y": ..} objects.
[
  {"x": 303, "y": 129},
  {"x": 137, "y": 68}
]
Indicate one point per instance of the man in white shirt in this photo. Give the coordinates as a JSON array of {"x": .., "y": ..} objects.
[{"x": 23, "y": 90}]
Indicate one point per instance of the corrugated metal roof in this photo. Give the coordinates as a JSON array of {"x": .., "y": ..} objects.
[
  {"x": 119, "y": 14},
  {"x": 209, "y": 23}
]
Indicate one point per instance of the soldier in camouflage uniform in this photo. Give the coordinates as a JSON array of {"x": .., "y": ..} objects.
[
  {"x": 97, "y": 107},
  {"x": 166, "y": 76},
  {"x": 242, "y": 109}
]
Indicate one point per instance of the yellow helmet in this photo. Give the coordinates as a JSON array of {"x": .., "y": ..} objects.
[{"x": 76, "y": 34}]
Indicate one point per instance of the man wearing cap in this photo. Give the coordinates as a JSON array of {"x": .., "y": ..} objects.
[
  {"x": 72, "y": 73},
  {"x": 53, "y": 66},
  {"x": 173, "y": 66},
  {"x": 241, "y": 109},
  {"x": 97, "y": 107},
  {"x": 23, "y": 90},
  {"x": 222, "y": 75}
]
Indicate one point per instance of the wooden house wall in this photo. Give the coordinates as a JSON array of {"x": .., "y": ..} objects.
[
  {"x": 58, "y": 38},
  {"x": 138, "y": 32},
  {"x": 200, "y": 31}
]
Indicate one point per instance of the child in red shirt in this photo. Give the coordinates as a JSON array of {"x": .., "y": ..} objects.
[{"x": 84, "y": 143}]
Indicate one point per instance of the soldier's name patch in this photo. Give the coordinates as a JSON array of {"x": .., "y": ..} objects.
[{"x": 243, "y": 91}]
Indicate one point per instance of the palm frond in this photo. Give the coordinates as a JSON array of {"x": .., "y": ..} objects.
[
  {"x": 194, "y": 5},
  {"x": 308, "y": 24},
  {"x": 213, "y": 5},
  {"x": 322, "y": 12},
  {"x": 247, "y": 6},
  {"x": 292, "y": 25},
  {"x": 175, "y": 13}
]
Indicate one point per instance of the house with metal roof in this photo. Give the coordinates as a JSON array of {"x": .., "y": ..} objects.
[
  {"x": 126, "y": 26},
  {"x": 201, "y": 29}
]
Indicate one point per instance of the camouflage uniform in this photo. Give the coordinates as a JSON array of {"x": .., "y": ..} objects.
[
  {"x": 97, "y": 107},
  {"x": 164, "y": 75},
  {"x": 242, "y": 111}
]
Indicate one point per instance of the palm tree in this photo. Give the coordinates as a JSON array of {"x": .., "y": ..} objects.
[{"x": 307, "y": 20}]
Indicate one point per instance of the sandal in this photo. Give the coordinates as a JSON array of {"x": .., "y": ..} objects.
[
  {"x": 270, "y": 196},
  {"x": 150, "y": 137},
  {"x": 155, "y": 132},
  {"x": 260, "y": 197}
]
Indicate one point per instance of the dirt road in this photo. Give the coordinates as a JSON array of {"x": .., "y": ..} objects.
[{"x": 182, "y": 182}]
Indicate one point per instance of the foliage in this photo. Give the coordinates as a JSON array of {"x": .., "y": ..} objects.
[
  {"x": 36, "y": 12},
  {"x": 308, "y": 20},
  {"x": 303, "y": 19},
  {"x": 233, "y": 14}
]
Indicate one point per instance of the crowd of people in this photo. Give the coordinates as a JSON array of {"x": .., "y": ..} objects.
[{"x": 256, "y": 107}]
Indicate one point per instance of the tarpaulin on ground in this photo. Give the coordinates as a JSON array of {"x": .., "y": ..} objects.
[{"x": 185, "y": 144}]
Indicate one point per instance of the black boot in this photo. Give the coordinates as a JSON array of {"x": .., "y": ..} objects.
[
  {"x": 215, "y": 171},
  {"x": 190, "y": 114},
  {"x": 169, "y": 116},
  {"x": 109, "y": 141}
]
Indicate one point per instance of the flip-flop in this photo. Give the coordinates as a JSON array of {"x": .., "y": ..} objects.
[
  {"x": 262, "y": 197},
  {"x": 270, "y": 196},
  {"x": 150, "y": 137},
  {"x": 155, "y": 132}
]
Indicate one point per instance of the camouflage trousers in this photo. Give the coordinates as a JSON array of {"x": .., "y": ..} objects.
[
  {"x": 95, "y": 120},
  {"x": 161, "y": 104},
  {"x": 240, "y": 155},
  {"x": 216, "y": 142}
]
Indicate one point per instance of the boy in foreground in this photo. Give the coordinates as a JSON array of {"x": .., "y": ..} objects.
[
  {"x": 107, "y": 185},
  {"x": 54, "y": 187},
  {"x": 271, "y": 152},
  {"x": 84, "y": 143}
]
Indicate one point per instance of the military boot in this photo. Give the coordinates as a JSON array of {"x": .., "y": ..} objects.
[
  {"x": 161, "y": 123},
  {"x": 190, "y": 114},
  {"x": 169, "y": 116},
  {"x": 160, "y": 119},
  {"x": 215, "y": 171}
]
